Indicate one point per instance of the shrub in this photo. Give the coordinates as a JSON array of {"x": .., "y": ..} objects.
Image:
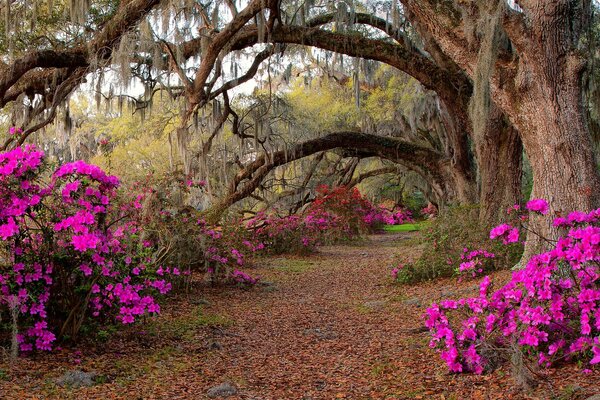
[
  {"x": 180, "y": 236},
  {"x": 547, "y": 312},
  {"x": 429, "y": 211},
  {"x": 355, "y": 214},
  {"x": 68, "y": 248},
  {"x": 296, "y": 234},
  {"x": 227, "y": 249},
  {"x": 444, "y": 250},
  {"x": 337, "y": 214},
  {"x": 398, "y": 216}
]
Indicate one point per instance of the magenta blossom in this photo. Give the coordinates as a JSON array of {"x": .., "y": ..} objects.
[{"x": 538, "y": 205}]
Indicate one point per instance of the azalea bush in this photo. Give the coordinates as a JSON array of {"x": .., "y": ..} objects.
[
  {"x": 547, "y": 313},
  {"x": 181, "y": 236},
  {"x": 227, "y": 249},
  {"x": 69, "y": 250},
  {"x": 429, "y": 211},
  {"x": 335, "y": 215},
  {"x": 355, "y": 213},
  {"x": 475, "y": 263},
  {"x": 397, "y": 216},
  {"x": 445, "y": 254},
  {"x": 295, "y": 234}
]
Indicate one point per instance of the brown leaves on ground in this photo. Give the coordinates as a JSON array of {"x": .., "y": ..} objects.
[{"x": 330, "y": 326}]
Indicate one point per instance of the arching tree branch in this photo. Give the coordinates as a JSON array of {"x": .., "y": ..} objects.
[{"x": 424, "y": 160}]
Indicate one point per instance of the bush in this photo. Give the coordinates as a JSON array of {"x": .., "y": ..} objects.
[
  {"x": 295, "y": 234},
  {"x": 548, "y": 312},
  {"x": 180, "y": 236},
  {"x": 69, "y": 248},
  {"x": 444, "y": 248},
  {"x": 355, "y": 214},
  {"x": 336, "y": 215}
]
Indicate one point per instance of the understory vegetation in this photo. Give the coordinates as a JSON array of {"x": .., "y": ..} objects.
[
  {"x": 452, "y": 238},
  {"x": 78, "y": 250},
  {"x": 548, "y": 313}
]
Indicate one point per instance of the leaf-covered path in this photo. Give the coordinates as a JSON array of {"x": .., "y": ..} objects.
[{"x": 328, "y": 326}]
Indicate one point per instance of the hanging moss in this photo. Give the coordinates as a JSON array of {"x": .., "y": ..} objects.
[
  {"x": 122, "y": 57},
  {"x": 485, "y": 30},
  {"x": 78, "y": 10}
]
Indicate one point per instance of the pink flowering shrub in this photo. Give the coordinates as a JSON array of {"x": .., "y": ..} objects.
[
  {"x": 336, "y": 214},
  {"x": 296, "y": 234},
  {"x": 474, "y": 263},
  {"x": 397, "y": 274},
  {"x": 68, "y": 250},
  {"x": 398, "y": 217},
  {"x": 243, "y": 278},
  {"x": 444, "y": 253},
  {"x": 229, "y": 248},
  {"x": 548, "y": 312},
  {"x": 355, "y": 214},
  {"x": 430, "y": 211},
  {"x": 179, "y": 235}
]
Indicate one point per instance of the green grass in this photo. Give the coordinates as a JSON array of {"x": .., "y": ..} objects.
[{"x": 417, "y": 226}]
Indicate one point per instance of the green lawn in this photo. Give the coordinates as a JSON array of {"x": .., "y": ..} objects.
[{"x": 406, "y": 227}]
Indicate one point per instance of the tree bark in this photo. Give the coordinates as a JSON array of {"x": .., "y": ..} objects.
[
  {"x": 500, "y": 162},
  {"x": 546, "y": 105},
  {"x": 537, "y": 83}
]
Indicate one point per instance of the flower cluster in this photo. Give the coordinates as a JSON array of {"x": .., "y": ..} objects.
[
  {"x": 396, "y": 271},
  {"x": 229, "y": 248},
  {"x": 243, "y": 278},
  {"x": 66, "y": 240},
  {"x": 293, "y": 233},
  {"x": 550, "y": 309},
  {"x": 398, "y": 217},
  {"x": 355, "y": 214},
  {"x": 509, "y": 233},
  {"x": 474, "y": 262},
  {"x": 430, "y": 211},
  {"x": 15, "y": 131}
]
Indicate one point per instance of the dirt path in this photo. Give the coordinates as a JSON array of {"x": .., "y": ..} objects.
[{"x": 328, "y": 326}]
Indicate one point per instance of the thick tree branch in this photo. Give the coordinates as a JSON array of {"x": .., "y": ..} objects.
[
  {"x": 363, "y": 19},
  {"x": 219, "y": 42},
  {"x": 30, "y": 71},
  {"x": 421, "y": 159}
]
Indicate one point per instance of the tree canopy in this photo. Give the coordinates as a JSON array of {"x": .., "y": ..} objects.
[{"x": 474, "y": 82}]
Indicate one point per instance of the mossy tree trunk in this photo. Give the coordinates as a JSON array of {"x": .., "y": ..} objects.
[
  {"x": 500, "y": 162},
  {"x": 537, "y": 84}
]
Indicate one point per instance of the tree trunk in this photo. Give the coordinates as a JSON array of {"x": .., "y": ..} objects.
[
  {"x": 464, "y": 185},
  {"x": 559, "y": 148},
  {"x": 537, "y": 83},
  {"x": 500, "y": 161},
  {"x": 546, "y": 105}
]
